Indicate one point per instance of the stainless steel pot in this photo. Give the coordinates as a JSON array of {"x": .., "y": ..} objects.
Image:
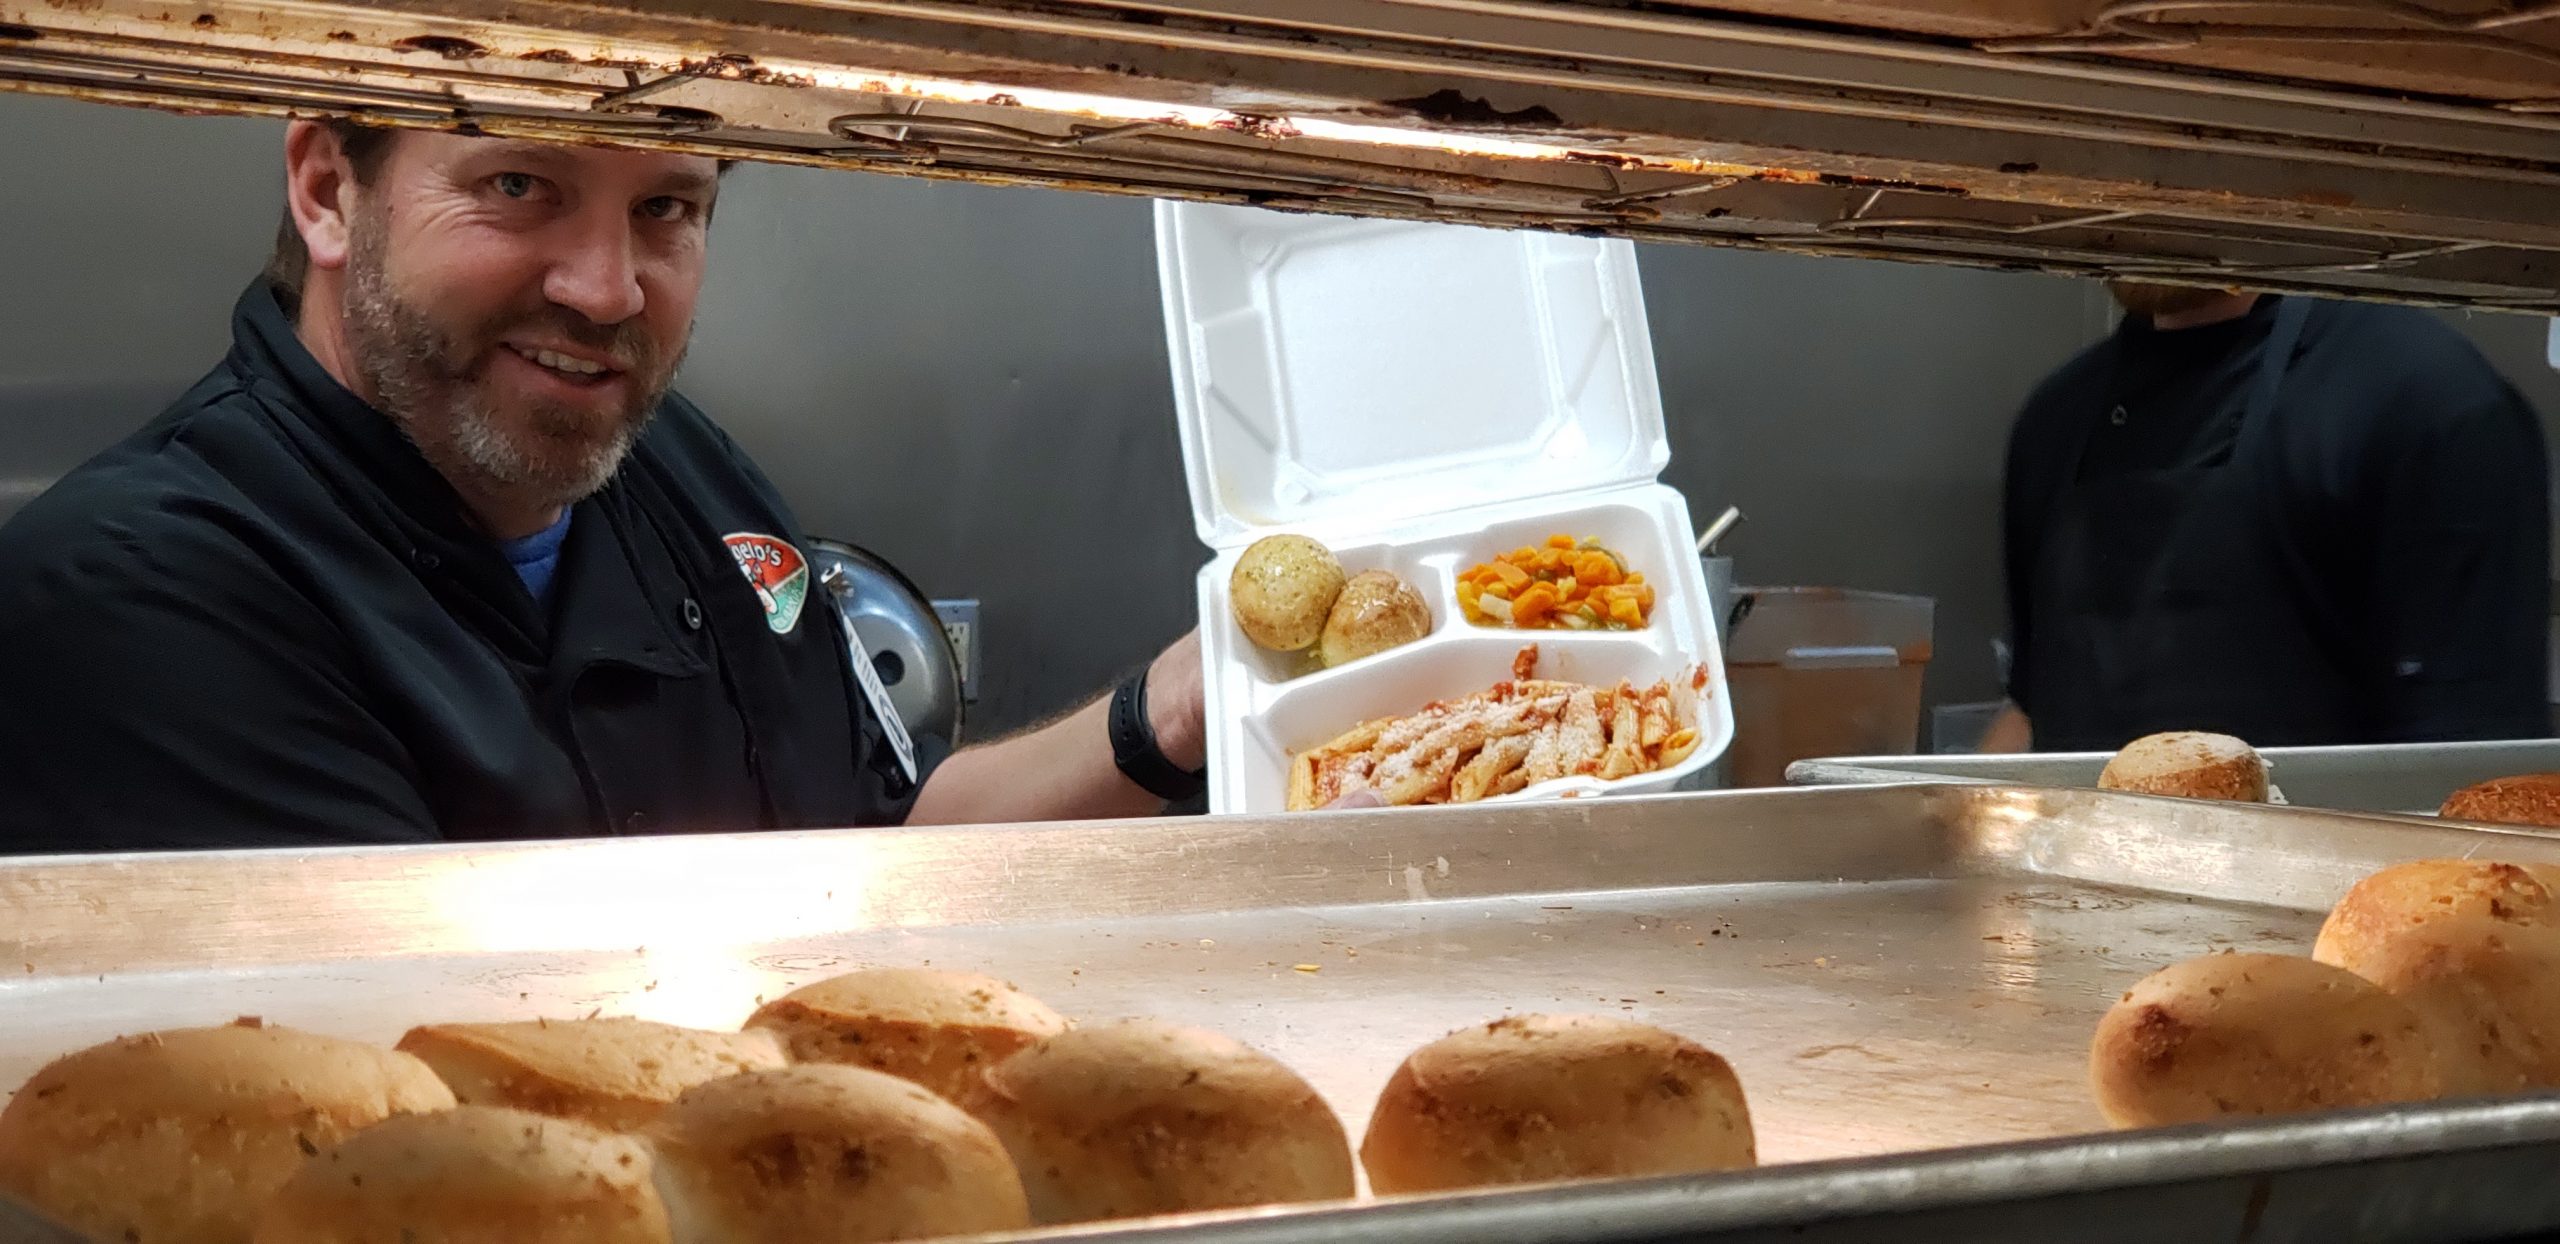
[{"x": 900, "y": 632}]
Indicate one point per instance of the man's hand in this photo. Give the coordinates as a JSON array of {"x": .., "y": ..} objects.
[
  {"x": 1177, "y": 704},
  {"x": 2008, "y": 732}
]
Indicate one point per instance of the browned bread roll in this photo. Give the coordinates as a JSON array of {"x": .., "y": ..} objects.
[
  {"x": 182, "y": 1135},
  {"x": 2526, "y": 799},
  {"x": 939, "y": 1029},
  {"x": 2189, "y": 765},
  {"x": 615, "y": 1073},
  {"x": 1376, "y": 611},
  {"x": 1143, "y": 1117},
  {"x": 2474, "y": 947},
  {"x": 1547, "y": 1097},
  {"x": 2404, "y": 896},
  {"x": 474, "y": 1175},
  {"x": 1281, "y": 591},
  {"x": 2489, "y": 990},
  {"x": 829, "y": 1155},
  {"x": 2234, "y": 1034}
]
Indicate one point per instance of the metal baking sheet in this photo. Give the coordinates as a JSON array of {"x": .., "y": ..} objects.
[
  {"x": 2398, "y": 778},
  {"x": 1898, "y": 973}
]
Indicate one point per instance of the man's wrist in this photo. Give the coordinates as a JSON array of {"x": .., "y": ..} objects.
[
  {"x": 1173, "y": 704},
  {"x": 1178, "y": 733}
]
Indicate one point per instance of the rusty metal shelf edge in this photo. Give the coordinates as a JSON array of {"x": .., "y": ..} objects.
[{"x": 1663, "y": 126}]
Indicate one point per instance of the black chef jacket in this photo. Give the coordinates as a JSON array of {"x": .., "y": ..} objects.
[
  {"x": 264, "y": 619},
  {"x": 2393, "y": 541}
]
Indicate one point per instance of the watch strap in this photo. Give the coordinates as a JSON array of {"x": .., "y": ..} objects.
[{"x": 1134, "y": 749}]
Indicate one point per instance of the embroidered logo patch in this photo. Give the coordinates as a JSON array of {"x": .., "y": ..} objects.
[{"x": 778, "y": 573}]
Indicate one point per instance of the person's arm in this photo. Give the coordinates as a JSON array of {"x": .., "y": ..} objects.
[
  {"x": 2008, "y": 732},
  {"x": 2460, "y": 598},
  {"x": 174, "y": 694},
  {"x": 1064, "y": 770}
]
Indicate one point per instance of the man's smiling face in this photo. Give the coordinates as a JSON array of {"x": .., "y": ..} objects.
[{"x": 520, "y": 307}]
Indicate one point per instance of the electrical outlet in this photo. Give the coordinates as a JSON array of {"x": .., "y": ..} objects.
[{"x": 960, "y": 622}]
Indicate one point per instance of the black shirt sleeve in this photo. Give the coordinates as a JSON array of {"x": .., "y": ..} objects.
[
  {"x": 2459, "y": 583},
  {"x": 165, "y": 691}
]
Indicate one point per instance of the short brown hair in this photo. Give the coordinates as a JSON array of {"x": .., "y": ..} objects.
[{"x": 366, "y": 147}]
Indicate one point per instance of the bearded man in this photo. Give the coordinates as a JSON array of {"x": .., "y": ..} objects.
[
  {"x": 2295, "y": 521},
  {"x": 435, "y": 554}
]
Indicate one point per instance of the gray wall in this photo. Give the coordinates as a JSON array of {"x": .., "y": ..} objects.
[
  {"x": 972, "y": 381},
  {"x": 1859, "y": 412}
]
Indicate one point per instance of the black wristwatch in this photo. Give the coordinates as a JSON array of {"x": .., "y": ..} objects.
[{"x": 1133, "y": 747}]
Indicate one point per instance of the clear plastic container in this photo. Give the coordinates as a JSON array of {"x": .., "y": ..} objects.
[
  {"x": 1420, "y": 398},
  {"x": 1824, "y": 671}
]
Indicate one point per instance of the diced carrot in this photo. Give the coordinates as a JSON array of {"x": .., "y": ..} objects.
[
  {"x": 1564, "y": 582},
  {"x": 1534, "y": 604}
]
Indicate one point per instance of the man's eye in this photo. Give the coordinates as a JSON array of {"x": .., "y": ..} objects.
[
  {"x": 514, "y": 185},
  {"x": 666, "y": 208}
]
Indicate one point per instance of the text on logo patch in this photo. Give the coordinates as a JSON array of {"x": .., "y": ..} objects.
[{"x": 778, "y": 573}]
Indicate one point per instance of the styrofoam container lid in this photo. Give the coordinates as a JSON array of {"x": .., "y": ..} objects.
[{"x": 1337, "y": 375}]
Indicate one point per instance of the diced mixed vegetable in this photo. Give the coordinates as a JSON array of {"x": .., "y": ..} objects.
[{"x": 1566, "y": 585}]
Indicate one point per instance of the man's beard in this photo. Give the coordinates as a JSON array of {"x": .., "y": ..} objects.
[
  {"x": 2153, "y": 301},
  {"x": 428, "y": 378}
]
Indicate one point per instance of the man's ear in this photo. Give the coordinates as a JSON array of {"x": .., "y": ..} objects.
[{"x": 319, "y": 191}]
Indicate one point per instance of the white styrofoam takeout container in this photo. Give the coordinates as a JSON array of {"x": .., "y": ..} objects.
[{"x": 1420, "y": 398}]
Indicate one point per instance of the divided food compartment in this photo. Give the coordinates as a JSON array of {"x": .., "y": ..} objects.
[{"x": 1421, "y": 398}]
